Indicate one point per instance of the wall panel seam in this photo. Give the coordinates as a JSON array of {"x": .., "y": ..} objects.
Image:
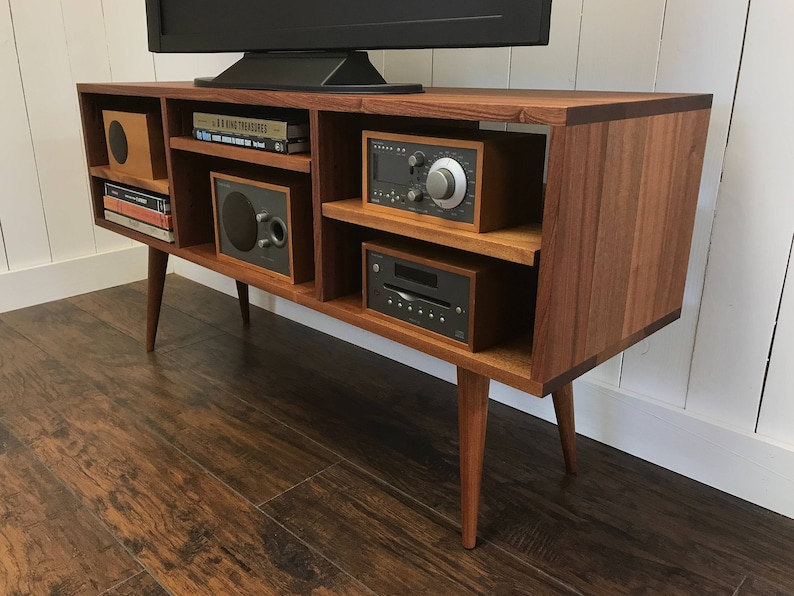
[
  {"x": 659, "y": 50},
  {"x": 5, "y": 249},
  {"x": 80, "y": 133},
  {"x": 30, "y": 134},
  {"x": 774, "y": 333},
  {"x": 578, "y": 47},
  {"x": 107, "y": 44}
]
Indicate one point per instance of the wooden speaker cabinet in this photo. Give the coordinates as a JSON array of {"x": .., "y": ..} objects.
[
  {"x": 265, "y": 225},
  {"x": 135, "y": 143}
]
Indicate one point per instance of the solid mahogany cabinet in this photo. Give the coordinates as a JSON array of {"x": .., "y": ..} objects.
[{"x": 609, "y": 253}]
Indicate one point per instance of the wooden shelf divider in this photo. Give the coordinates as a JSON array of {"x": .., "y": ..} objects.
[
  {"x": 298, "y": 162},
  {"x": 518, "y": 245},
  {"x": 159, "y": 186}
]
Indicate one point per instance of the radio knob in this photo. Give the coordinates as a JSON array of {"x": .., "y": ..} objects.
[
  {"x": 415, "y": 195},
  {"x": 416, "y": 160},
  {"x": 447, "y": 183},
  {"x": 440, "y": 184},
  {"x": 262, "y": 217}
]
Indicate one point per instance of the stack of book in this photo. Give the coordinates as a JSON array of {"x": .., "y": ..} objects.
[
  {"x": 139, "y": 210},
  {"x": 281, "y": 134}
]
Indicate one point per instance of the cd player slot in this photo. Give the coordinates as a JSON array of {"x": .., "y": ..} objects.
[{"x": 411, "y": 296}]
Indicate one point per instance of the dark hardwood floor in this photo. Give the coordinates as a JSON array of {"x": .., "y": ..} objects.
[{"x": 278, "y": 460}]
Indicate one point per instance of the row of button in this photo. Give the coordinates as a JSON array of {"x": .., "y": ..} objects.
[
  {"x": 415, "y": 195},
  {"x": 386, "y": 148},
  {"x": 419, "y": 311}
]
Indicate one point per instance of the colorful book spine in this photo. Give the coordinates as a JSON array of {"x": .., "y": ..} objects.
[
  {"x": 253, "y": 127},
  {"x": 135, "y": 196},
  {"x": 150, "y": 216},
  {"x": 139, "y": 226},
  {"x": 273, "y": 145}
]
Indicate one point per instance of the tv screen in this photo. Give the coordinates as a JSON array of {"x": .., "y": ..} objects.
[{"x": 343, "y": 25}]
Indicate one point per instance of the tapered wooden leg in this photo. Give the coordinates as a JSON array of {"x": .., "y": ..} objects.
[
  {"x": 563, "y": 408},
  {"x": 472, "y": 419},
  {"x": 158, "y": 261},
  {"x": 242, "y": 297}
]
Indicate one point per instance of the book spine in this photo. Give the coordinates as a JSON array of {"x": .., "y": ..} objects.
[
  {"x": 273, "y": 145},
  {"x": 136, "y": 197},
  {"x": 251, "y": 127},
  {"x": 139, "y": 226},
  {"x": 150, "y": 216}
]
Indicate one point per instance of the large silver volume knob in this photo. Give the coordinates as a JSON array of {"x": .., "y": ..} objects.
[{"x": 446, "y": 183}]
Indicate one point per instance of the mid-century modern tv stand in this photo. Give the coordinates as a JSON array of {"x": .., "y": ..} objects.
[{"x": 611, "y": 251}]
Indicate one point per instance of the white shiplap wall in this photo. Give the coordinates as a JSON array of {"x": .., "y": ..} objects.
[
  {"x": 52, "y": 110},
  {"x": 619, "y": 44},
  {"x": 700, "y": 52},
  {"x": 25, "y": 235},
  {"x": 752, "y": 231},
  {"x": 641, "y": 402}
]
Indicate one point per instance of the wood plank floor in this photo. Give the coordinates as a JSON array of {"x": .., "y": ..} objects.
[{"x": 278, "y": 460}]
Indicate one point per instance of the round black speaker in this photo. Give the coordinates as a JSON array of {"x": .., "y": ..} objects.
[
  {"x": 238, "y": 219},
  {"x": 118, "y": 142}
]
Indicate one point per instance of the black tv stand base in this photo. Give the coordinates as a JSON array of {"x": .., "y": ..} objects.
[{"x": 313, "y": 72}]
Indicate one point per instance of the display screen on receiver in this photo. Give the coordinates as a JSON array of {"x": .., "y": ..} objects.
[
  {"x": 345, "y": 25},
  {"x": 415, "y": 275},
  {"x": 389, "y": 168}
]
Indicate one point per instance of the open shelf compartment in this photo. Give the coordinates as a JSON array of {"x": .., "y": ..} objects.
[
  {"x": 299, "y": 162},
  {"x": 518, "y": 245},
  {"x": 509, "y": 362}
]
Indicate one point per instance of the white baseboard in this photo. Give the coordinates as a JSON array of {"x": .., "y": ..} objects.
[
  {"x": 55, "y": 281},
  {"x": 746, "y": 465}
]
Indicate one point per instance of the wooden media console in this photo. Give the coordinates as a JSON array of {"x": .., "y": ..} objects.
[{"x": 610, "y": 251}]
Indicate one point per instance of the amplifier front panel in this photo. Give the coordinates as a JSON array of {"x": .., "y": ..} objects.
[
  {"x": 427, "y": 297},
  {"x": 393, "y": 182}
]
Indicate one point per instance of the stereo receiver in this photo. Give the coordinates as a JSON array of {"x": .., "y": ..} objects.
[
  {"x": 461, "y": 298},
  {"x": 478, "y": 181}
]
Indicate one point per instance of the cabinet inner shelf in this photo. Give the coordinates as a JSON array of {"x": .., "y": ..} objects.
[
  {"x": 520, "y": 244},
  {"x": 509, "y": 362},
  {"x": 298, "y": 162},
  {"x": 159, "y": 186}
]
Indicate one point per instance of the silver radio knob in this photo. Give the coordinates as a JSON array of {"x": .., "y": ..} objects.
[
  {"x": 440, "y": 184},
  {"x": 415, "y": 195},
  {"x": 446, "y": 183},
  {"x": 416, "y": 160}
]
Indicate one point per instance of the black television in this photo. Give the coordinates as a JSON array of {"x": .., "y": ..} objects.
[{"x": 316, "y": 45}]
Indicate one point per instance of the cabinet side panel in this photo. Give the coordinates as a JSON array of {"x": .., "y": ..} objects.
[
  {"x": 617, "y": 232},
  {"x": 620, "y": 206},
  {"x": 570, "y": 224},
  {"x": 666, "y": 215}
]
